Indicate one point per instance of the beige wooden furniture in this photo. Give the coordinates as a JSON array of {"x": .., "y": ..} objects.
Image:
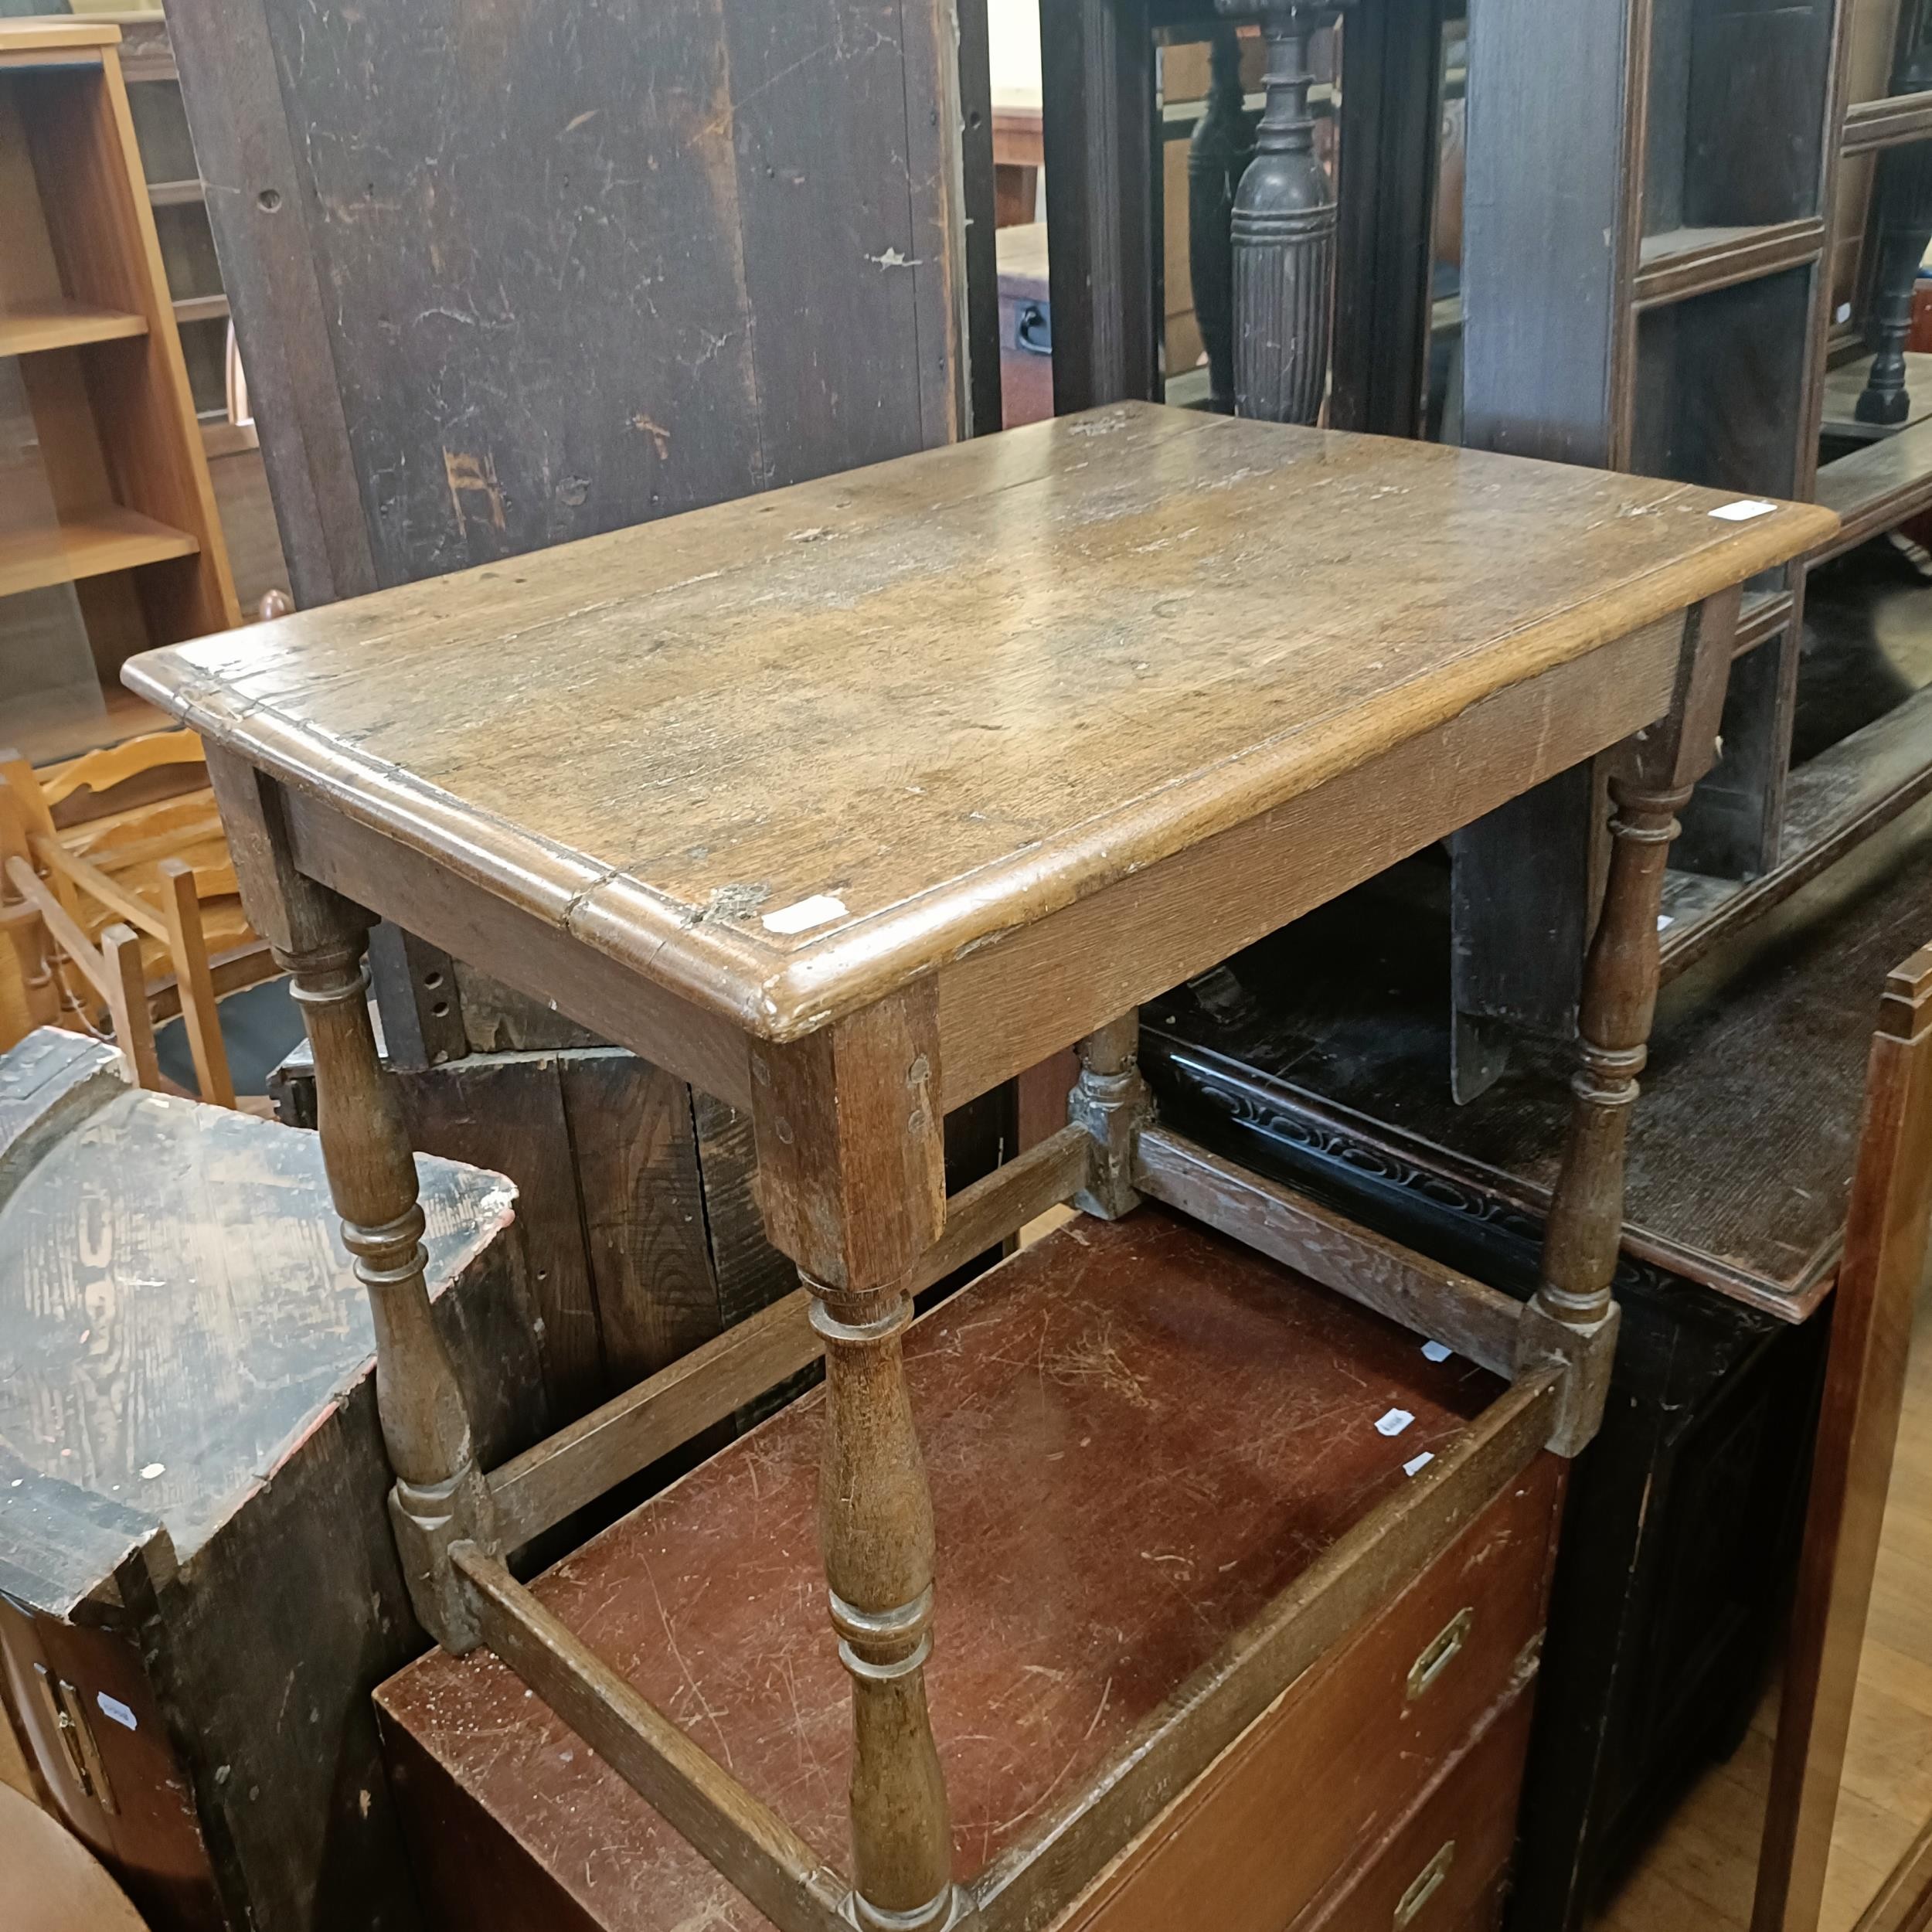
[
  {"x": 124, "y": 870},
  {"x": 849, "y": 802},
  {"x": 84, "y": 306}
]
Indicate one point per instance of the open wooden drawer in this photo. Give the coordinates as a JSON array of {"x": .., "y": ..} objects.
[{"x": 1148, "y": 1446}]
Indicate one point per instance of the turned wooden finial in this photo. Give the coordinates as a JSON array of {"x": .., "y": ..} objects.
[{"x": 1283, "y": 231}]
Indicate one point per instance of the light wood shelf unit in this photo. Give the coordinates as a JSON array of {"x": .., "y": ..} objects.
[
  {"x": 85, "y": 307},
  {"x": 90, "y": 544},
  {"x": 30, "y": 328}
]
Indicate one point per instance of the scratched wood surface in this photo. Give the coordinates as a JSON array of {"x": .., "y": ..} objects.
[
  {"x": 781, "y": 754},
  {"x": 1136, "y": 1435},
  {"x": 176, "y": 1306},
  {"x": 506, "y": 277}
]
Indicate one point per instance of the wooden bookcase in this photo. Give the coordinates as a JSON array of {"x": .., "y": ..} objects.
[{"x": 126, "y": 515}]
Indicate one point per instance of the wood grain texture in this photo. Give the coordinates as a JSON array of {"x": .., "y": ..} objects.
[
  {"x": 1436, "y": 1302},
  {"x": 756, "y": 1352},
  {"x": 1351, "y": 1729},
  {"x": 185, "y": 1360},
  {"x": 1144, "y": 551},
  {"x": 1871, "y": 1338},
  {"x": 519, "y": 301},
  {"x": 215, "y": 1268},
  {"x": 1069, "y": 1604}
]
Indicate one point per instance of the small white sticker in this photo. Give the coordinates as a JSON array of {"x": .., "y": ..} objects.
[
  {"x": 113, "y": 1707},
  {"x": 820, "y": 910},
  {"x": 153, "y": 1470},
  {"x": 1842, "y": 313},
  {"x": 1664, "y": 920},
  {"x": 1436, "y": 1351},
  {"x": 1743, "y": 510},
  {"x": 1416, "y": 1464},
  {"x": 1393, "y": 1423}
]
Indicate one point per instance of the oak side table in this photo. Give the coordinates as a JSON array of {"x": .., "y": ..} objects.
[{"x": 848, "y": 802}]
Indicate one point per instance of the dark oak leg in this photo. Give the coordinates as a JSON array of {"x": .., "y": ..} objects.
[
  {"x": 1284, "y": 229},
  {"x": 1573, "y": 1317},
  {"x": 439, "y": 1496},
  {"x": 852, "y": 1176},
  {"x": 1112, "y": 1101}
]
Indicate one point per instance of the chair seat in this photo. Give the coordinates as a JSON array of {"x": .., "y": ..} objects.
[{"x": 1138, "y": 1434}]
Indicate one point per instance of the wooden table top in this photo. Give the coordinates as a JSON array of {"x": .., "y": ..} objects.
[{"x": 788, "y": 754}]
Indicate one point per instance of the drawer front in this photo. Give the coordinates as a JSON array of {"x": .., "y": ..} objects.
[
  {"x": 1442, "y": 1868},
  {"x": 1329, "y": 1767}
]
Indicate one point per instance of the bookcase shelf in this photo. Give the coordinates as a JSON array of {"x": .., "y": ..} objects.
[
  {"x": 87, "y": 546},
  {"x": 59, "y": 323},
  {"x": 100, "y": 436}
]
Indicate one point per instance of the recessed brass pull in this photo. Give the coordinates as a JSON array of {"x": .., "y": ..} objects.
[
  {"x": 68, "y": 1713},
  {"x": 1437, "y": 1653},
  {"x": 1424, "y": 1886}
]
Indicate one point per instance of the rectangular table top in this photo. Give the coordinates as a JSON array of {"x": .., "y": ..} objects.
[{"x": 784, "y": 754}]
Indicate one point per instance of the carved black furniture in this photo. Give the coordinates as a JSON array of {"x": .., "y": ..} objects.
[
  {"x": 1902, "y": 222},
  {"x": 1282, "y": 234},
  {"x": 1274, "y": 254}
]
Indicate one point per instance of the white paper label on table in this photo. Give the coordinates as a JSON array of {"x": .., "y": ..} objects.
[
  {"x": 1416, "y": 1464},
  {"x": 1436, "y": 1351},
  {"x": 820, "y": 910},
  {"x": 1743, "y": 510},
  {"x": 1393, "y": 1423}
]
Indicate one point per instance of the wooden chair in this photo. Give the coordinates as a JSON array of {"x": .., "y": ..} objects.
[
  {"x": 1879, "y": 1280},
  {"x": 87, "y": 883}
]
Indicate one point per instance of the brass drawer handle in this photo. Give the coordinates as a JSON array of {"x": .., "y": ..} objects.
[
  {"x": 1424, "y": 1886},
  {"x": 1439, "y": 1651}
]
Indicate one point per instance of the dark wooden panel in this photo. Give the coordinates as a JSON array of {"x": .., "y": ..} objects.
[
  {"x": 1733, "y": 823},
  {"x": 751, "y": 1273},
  {"x": 1391, "y": 138},
  {"x": 1097, "y": 63},
  {"x": 507, "y": 1112},
  {"x": 494, "y": 294},
  {"x": 636, "y": 1148},
  {"x": 1546, "y": 250}
]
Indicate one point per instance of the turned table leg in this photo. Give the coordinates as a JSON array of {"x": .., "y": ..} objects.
[
  {"x": 439, "y": 1496},
  {"x": 851, "y": 1178},
  {"x": 1573, "y": 1317},
  {"x": 1112, "y": 1101}
]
